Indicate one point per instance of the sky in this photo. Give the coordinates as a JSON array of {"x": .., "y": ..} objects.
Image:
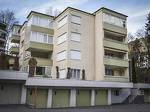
[{"x": 136, "y": 10}]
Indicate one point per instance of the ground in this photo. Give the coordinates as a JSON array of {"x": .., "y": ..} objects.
[{"x": 113, "y": 108}]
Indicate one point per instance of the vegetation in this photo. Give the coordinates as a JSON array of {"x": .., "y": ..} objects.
[
  {"x": 4, "y": 61},
  {"x": 16, "y": 64},
  {"x": 32, "y": 65},
  {"x": 139, "y": 53}
]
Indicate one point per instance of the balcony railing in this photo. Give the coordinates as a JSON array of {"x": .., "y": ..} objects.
[
  {"x": 116, "y": 41},
  {"x": 116, "y": 78},
  {"x": 116, "y": 62},
  {"x": 115, "y": 44}
]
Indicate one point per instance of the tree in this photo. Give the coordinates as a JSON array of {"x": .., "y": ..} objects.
[
  {"x": 8, "y": 17},
  {"x": 147, "y": 43},
  {"x": 4, "y": 61},
  {"x": 32, "y": 65},
  {"x": 16, "y": 63}
]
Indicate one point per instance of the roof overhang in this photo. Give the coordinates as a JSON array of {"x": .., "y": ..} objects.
[
  {"x": 36, "y": 81},
  {"x": 142, "y": 85},
  {"x": 13, "y": 75}
]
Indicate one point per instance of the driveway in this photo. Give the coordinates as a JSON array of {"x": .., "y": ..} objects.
[{"x": 113, "y": 108}]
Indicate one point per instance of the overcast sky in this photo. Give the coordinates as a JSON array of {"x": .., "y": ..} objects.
[{"x": 136, "y": 10}]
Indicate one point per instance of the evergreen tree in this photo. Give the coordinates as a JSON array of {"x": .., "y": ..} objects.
[{"x": 147, "y": 43}]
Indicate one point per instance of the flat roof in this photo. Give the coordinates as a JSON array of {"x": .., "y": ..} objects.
[
  {"x": 88, "y": 12},
  {"x": 109, "y": 10},
  {"x": 73, "y": 9},
  {"x": 39, "y": 13},
  {"x": 37, "y": 81}
]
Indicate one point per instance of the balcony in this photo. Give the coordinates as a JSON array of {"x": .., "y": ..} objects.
[
  {"x": 36, "y": 46},
  {"x": 116, "y": 78},
  {"x": 2, "y": 37},
  {"x": 15, "y": 38},
  {"x": 41, "y": 62},
  {"x": 2, "y": 48},
  {"x": 14, "y": 49},
  {"x": 116, "y": 62},
  {"x": 115, "y": 44},
  {"x": 38, "y": 28},
  {"x": 114, "y": 28}
]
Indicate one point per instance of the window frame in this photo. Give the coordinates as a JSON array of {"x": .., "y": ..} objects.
[
  {"x": 61, "y": 55},
  {"x": 72, "y": 15},
  {"x": 58, "y": 23},
  {"x": 75, "y": 58},
  {"x": 58, "y": 38},
  {"x": 74, "y": 39}
]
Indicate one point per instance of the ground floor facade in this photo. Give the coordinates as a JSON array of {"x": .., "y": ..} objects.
[
  {"x": 59, "y": 97},
  {"x": 67, "y": 97},
  {"x": 53, "y": 93}
]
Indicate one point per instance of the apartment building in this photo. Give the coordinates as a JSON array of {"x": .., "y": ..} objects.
[
  {"x": 75, "y": 46},
  {"x": 37, "y": 41},
  {"x": 82, "y": 59},
  {"x": 84, "y": 42},
  {"x": 14, "y": 40},
  {"x": 2, "y": 36}
]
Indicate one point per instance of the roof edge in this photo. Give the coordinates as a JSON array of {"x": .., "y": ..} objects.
[
  {"x": 110, "y": 10},
  {"x": 73, "y": 9},
  {"x": 39, "y": 13}
]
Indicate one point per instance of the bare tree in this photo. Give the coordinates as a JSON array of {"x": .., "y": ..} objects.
[
  {"x": 49, "y": 11},
  {"x": 8, "y": 17}
]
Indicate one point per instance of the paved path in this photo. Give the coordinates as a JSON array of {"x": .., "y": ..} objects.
[{"x": 113, "y": 108}]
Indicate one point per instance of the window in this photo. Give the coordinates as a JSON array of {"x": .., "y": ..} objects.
[
  {"x": 114, "y": 20},
  {"x": 40, "y": 70},
  {"x": 61, "y": 55},
  {"x": 74, "y": 54},
  {"x": 44, "y": 22},
  {"x": 75, "y": 36},
  {"x": 35, "y": 20},
  {"x": 62, "y": 38},
  {"x": 41, "y": 37},
  {"x": 109, "y": 71},
  {"x": 62, "y": 21},
  {"x": 62, "y": 73},
  {"x": 75, "y": 73},
  {"x": 116, "y": 92},
  {"x": 76, "y": 19}
]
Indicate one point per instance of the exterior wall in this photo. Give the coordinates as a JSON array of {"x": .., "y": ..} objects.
[
  {"x": 61, "y": 47},
  {"x": 87, "y": 40},
  {"x": 99, "y": 49},
  {"x": 86, "y": 44}
]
